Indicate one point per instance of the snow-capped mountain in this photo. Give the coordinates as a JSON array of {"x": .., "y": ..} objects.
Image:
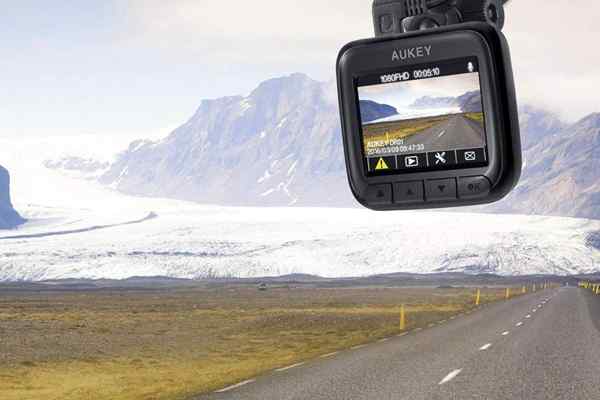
[
  {"x": 434, "y": 102},
  {"x": 563, "y": 173},
  {"x": 9, "y": 218},
  {"x": 281, "y": 145}
]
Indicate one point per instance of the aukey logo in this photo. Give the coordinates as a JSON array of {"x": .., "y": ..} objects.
[{"x": 412, "y": 52}]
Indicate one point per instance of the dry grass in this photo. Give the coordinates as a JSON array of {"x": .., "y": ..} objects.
[
  {"x": 477, "y": 117},
  {"x": 170, "y": 344}
]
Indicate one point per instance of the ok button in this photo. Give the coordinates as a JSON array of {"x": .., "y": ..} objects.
[{"x": 473, "y": 187}]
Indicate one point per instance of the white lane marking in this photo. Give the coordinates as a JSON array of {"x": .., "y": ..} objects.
[
  {"x": 528, "y": 316},
  {"x": 403, "y": 334},
  {"x": 485, "y": 347},
  {"x": 383, "y": 340},
  {"x": 360, "y": 346},
  {"x": 450, "y": 376},
  {"x": 453, "y": 317},
  {"x": 505, "y": 333},
  {"x": 442, "y": 133},
  {"x": 519, "y": 324},
  {"x": 534, "y": 310},
  {"x": 289, "y": 367},
  {"x": 330, "y": 354},
  {"x": 238, "y": 385}
]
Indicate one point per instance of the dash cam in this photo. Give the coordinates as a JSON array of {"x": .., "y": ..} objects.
[{"x": 429, "y": 117}]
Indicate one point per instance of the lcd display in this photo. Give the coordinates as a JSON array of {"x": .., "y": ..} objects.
[{"x": 426, "y": 117}]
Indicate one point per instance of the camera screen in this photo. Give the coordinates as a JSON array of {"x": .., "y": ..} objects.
[{"x": 421, "y": 118}]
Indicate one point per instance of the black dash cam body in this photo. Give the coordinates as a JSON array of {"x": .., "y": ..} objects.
[{"x": 429, "y": 118}]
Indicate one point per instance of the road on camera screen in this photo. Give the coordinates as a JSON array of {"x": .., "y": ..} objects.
[{"x": 440, "y": 133}]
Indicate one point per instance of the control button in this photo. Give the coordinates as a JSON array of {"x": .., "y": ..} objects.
[
  {"x": 471, "y": 156},
  {"x": 381, "y": 164},
  {"x": 441, "y": 159},
  {"x": 412, "y": 161},
  {"x": 409, "y": 192},
  {"x": 441, "y": 189},
  {"x": 473, "y": 187},
  {"x": 379, "y": 195}
]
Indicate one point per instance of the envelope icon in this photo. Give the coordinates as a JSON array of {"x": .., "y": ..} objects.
[{"x": 470, "y": 156}]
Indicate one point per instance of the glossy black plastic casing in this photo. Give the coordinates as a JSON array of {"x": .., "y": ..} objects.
[{"x": 370, "y": 56}]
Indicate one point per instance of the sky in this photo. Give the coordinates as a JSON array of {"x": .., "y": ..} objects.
[
  {"x": 403, "y": 94},
  {"x": 141, "y": 67}
]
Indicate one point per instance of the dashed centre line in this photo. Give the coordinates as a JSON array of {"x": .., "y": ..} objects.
[
  {"x": 450, "y": 376},
  {"x": 519, "y": 324},
  {"x": 238, "y": 385},
  {"x": 485, "y": 347},
  {"x": 528, "y": 316},
  {"x": 330, "y": 354},
  {"x": 505, "y": 333},
  {"x": 360, "y": 346}
]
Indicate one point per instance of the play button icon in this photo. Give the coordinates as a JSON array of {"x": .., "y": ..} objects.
[{"x": 413, "y": 161}]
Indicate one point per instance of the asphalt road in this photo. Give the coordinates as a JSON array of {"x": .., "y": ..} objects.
[
  {"x": 458, "y": 132},
  {"x": 544, "y": 345}
]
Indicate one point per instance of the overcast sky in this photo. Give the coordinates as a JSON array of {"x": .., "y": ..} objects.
[{"x": 141, "y": 67}]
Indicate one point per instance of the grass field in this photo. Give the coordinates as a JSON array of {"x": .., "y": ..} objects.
[
  {"x": 477, "y": 117},
  {"x": 173, "y": 343}
]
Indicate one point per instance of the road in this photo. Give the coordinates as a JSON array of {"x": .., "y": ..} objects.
[
  {"x": 458, "y": 132},
  {"x": 545, "y": 345}
]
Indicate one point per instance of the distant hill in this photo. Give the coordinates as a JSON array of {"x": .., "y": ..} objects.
[
  {"x": 470, "y": 102},
  {"x": 9, "y": 218},
  {"x": 371, "y": 111},
  {"x": 434, "y": 102}
]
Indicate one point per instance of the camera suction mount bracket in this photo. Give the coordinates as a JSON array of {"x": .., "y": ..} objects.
[{"x": 393, "y": 17}]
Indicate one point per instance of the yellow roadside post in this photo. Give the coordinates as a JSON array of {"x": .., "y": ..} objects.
[
  {"x": 402, "y": 318},
  {"x": 478, "y": 297},
  {"x": 507, "y": 296},
  {"x": 524, "y": 290}
]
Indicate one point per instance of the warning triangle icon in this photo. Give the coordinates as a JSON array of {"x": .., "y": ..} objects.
[{"x": 381, "y": 165}]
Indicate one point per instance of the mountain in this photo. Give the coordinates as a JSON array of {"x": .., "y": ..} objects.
[
  {"x": 562, "y": 176},
  {"x": 9, "y": 218},
  {"x": 281, "y": 145},
  {"x": 427, "y": 102},
  {"x": 470, "y": 102},
  {"x": 538, "y": 125},
  {"x": 371, "y": 111}
]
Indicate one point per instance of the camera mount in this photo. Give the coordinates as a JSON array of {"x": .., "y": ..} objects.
[{"x": 393, "y": 17}]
